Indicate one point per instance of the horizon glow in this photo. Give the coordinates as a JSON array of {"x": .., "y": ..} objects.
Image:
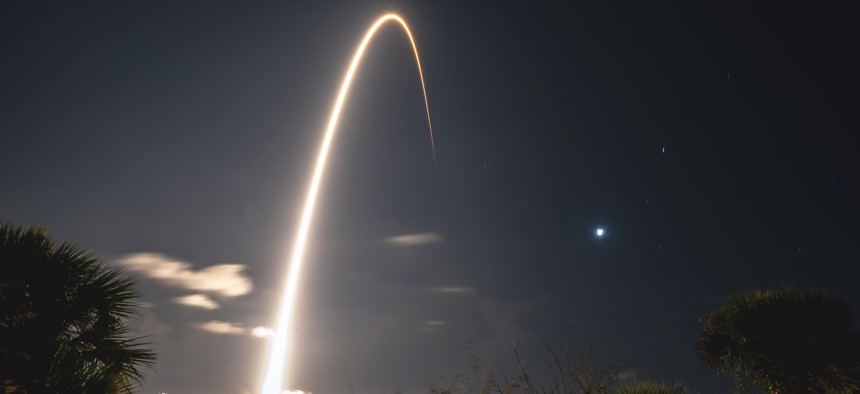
[{"x": 277, "y": 366}]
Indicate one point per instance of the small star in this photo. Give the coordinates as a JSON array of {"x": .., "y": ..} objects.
[
  {"x": 599, "y": 232},
  {"x": 663, "y": 150}
]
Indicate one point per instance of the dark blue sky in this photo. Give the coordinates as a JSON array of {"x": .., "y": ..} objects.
[{"x": 714, "y": 142}]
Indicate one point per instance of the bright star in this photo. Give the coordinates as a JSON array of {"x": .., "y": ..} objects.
[{"x": 599, "y": 231}]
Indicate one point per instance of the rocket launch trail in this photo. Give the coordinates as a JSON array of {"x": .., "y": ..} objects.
[{"x": 275, "y": 374}]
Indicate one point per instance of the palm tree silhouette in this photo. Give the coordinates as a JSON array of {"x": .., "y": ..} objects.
[
  {"x": 63, "y": 319},
  {"x": 784, "y": 342}
]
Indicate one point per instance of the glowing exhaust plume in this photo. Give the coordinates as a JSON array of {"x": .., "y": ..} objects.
[{"x": 275, "y": 374}]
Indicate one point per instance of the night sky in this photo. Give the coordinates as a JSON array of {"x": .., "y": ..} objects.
[{"x": 714, "y": 142}]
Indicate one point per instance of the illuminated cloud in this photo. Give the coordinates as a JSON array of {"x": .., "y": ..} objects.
[
  {"x": 227, "y": 328},
  {"x": 197, "y": 301},
  {"x": 262, "y": 332},
  {"x": 222, "y": 327},
  {"x": 414, "y": 239},
  {"x": 225, "y": 280}
]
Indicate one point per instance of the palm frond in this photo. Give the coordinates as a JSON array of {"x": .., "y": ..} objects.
[{"x": 64, "y": 319}]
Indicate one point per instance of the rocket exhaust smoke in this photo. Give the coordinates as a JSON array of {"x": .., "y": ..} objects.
[{"x": 275, "y": 374}]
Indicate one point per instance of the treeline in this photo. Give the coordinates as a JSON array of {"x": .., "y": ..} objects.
[{"x": 775, "y": 341}]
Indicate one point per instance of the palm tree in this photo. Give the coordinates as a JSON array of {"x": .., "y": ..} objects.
[
  {"x": 784, "y": 342},
  {"x": 63, "y": 319}
]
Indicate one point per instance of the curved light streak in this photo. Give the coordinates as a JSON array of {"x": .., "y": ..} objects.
[{"x": 276, "y": 370}]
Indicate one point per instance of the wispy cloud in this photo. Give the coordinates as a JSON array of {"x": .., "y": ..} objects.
[
  {"x": 226, "y": 280},
  {"x": 452, "y": 289},
  {"x": 227, "y": 328},
  {"x": 414, "y": 239},
  {"x": 222, "y": 327},
  {"x": 197, "y": 301},
  {"x": 512, "y": 320},
  {"x": 431, "y": 325}
]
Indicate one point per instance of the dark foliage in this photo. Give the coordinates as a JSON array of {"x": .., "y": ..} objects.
[
  {"x": 566, "y": 374},
  {"x": 63, "y": 319},
  {"x": 784, "y": 342}
]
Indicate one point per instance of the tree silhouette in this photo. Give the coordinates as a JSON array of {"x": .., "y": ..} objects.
[
  {"x": 63, "y": 319},
  {"x": 784, "y": 342},
  {"x": 567, "y": 374}
]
